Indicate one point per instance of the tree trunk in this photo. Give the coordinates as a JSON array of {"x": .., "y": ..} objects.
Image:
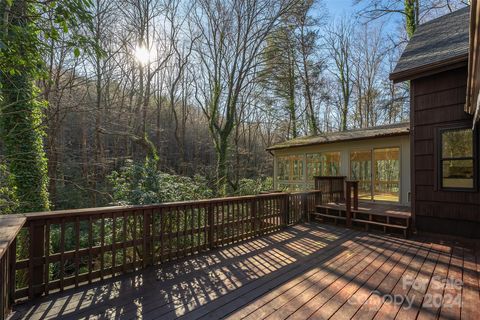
[
  {"x": 222, "y": 157},
  {"x": 21, "y": 112}
]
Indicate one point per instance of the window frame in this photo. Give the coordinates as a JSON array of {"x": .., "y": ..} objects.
[{"x": 440, "y": 159}]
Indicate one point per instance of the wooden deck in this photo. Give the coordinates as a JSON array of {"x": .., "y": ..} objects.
[{"x": 306, "y": 271}]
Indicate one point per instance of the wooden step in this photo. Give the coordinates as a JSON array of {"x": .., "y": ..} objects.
[
  {"x": 328, "y": 216},
  {"x": 381, "y": 224}
]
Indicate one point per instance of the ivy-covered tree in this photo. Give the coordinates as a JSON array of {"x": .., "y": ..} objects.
[{"x": 23, "y": 26}]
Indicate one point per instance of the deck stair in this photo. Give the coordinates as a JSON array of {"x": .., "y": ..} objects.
[{"x": 368, "y": 215}]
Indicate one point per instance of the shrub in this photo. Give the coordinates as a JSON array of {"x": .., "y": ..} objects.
[
  {"x": 142, "y": 183},
  {"x": 255, "y": 186}
]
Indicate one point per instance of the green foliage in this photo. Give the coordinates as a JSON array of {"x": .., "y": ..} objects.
[
  {"x": 8, "y": 200},
  {"x": 22, "y": 134},
  {"x": 23, "y": 26},
  {"x": 411, "y": 23},
  {"x": 255, "y": 186},
  {"x": 143, "y": 184}
]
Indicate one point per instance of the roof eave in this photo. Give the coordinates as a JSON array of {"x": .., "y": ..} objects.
[
  {"x": 472, "y": 105},
  {"x": 272, "y": 148},
  {"x": 430, "y": 69}
]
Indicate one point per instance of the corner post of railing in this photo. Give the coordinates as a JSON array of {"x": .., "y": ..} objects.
[
  {"x": 355, "y": 194},
  {"x": 147, "y": 237},
  {"x": 36, "y": 254},
  {"x": 12, "y": 282},
  {"x": 348, "y": 203}
]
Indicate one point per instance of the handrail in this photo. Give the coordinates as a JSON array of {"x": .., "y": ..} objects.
[
  {"x": 103, "y": 210},
  {"x": 10, "y": 225},
  {"x": 69, "y": 248}
]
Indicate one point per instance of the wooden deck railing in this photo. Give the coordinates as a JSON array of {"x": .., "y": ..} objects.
[
  {"x": 69, "y": 248},
  {"x": 351, "y": 187},
  {"x": 331, "y": 187},
  {"x": 338, "y": 189},
  {"x": 302, "y": 204},
  {"x": 10, "y": 225}
]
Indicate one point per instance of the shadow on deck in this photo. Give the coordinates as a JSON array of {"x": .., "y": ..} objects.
[{"x": 308, "y": 270}]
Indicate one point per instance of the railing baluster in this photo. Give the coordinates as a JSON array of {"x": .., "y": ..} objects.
[
  {"x": 124, "y": 245},
  {"x": 134, "y": 238},
  {"x": 102, "y": 247},
  {"x": 62, "y": 254},
  {"x": 77, "y": 248},
  {"x": 47, "y": 256},
  {"x": 147, "y": 247},
  {"x": 90, "y": 248},
  {"x": 162, "y": 233},
  {"x": 114, "y": 239},
  {"x": 185, "y": 231},
  {"x": 199, "y": 227},
  {"x": 192, "y": 216},
  {"x": 211, "y": 226}
]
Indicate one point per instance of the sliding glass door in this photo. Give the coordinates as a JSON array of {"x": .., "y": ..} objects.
[
  {"x": 378, "y": 173},
  {"x": 387, "y": 174},
  {"x": 361, "y": 170}
]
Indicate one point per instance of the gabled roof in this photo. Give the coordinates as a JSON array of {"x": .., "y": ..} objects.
[
  {"x": 397, "y": 129},
  {"x": 435, "y": 44}
]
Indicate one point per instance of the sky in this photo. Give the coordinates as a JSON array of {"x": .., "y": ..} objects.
[{"x": 339, "y": 6}]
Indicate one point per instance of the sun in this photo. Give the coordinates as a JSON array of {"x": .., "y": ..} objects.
[{"x": 144, "y": 55}]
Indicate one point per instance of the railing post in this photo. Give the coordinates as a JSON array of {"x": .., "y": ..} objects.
[
  {"x": 36, "y": 253},
  {"x": 211, "y": 227},
  {"x": 348, "y": 203},
  {"x": 12, "y": 282},
  {"x": 254, "y": 216},
  {"x": 355, "y": 195},
  {"x": 147, "y": 236}
]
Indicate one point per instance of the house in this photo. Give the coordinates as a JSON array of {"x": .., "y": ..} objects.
[
  {"x": 430, "y": 164},
  {"x": 378, "y": 157}
]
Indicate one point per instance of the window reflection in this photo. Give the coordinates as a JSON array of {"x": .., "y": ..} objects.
[{"x": 457, "y": 165}]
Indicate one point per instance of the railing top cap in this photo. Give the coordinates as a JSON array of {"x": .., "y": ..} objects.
[
  {"x": 330, "y": 177},
  {"x": 126, "y": 208},
  {"x": 10, "y": 225}
]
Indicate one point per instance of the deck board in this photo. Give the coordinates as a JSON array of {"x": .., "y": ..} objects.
[{"x": 309, "y": 270}]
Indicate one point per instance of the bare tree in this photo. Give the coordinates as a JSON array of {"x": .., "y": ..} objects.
[
  {"x": 338, "y": 44},
  {"x": 233, "y": 33}
]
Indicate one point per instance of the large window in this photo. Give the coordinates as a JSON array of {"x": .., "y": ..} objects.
[
  {"x": 383, "y": 166},
  {"x": 323, "y": 164},
  {"x": 290, "y": 168},
  {"x": 283, "y": 168},
  {"x": 457, "y": 159}
]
